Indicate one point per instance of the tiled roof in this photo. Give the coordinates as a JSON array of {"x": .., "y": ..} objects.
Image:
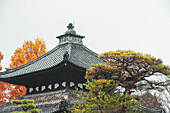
[
  {"x": 78, "y": 55},
  {"x": 47, "y": 102},
  {"x": 50, "y": 102}
]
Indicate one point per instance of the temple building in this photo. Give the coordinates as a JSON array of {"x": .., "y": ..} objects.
[{"x": 51, "y": 78}]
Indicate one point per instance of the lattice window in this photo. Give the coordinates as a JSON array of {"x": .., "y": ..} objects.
[
  {"x": 64, "y": 84},
  {"x": 56, "y": 85},
  {"x": 37, "y": 88},
  {"x": 30, "y": 90},
  {"x": 72, "y": 84},
  {"x": 80, "y": 85},
  {"x": 43, "y": 88},
  {"x": 50, "y": 86}
]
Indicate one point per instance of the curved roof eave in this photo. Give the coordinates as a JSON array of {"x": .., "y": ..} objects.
[{"x": 78, "y": 55}]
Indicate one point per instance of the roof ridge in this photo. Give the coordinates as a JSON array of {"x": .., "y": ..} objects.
[
  {"x": 94, "y": 53},
  {"x": 31, "y": 62},
  {"x": 69, "y": 49}
]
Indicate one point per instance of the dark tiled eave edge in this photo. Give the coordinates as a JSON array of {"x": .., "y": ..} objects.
[
  {"x": 71, "y": 35},
  {"x": 69, "y": 47},
  {"x": 31, "y": 62}
]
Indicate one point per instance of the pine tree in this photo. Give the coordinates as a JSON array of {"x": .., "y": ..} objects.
[
  {"x": 103, "y": 97},
  {"x": 126, "y": 68},
  {"x": 27, "y": 106}
]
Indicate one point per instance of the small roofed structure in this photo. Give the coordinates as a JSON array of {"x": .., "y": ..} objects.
[{"x": 70, "y": 36}]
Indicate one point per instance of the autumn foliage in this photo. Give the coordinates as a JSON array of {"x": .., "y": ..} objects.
[
  {"x": 28, "y": 52},
  {"x": 9, "y": 92},
  {"x": 1, "y": 57}
]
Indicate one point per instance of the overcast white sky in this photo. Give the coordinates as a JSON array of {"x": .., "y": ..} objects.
[{"x": 139, "y": 25}]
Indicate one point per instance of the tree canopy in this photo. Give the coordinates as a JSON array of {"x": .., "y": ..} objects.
[
  {"x": 1, "y": 57},
  {"x": 28, "y": 52},
  {"x": 103, "y": 97},
  {"x": 127, "y": 68},
  {"x": 9, "y": 92},
  {"x": 26, "y": 105}
]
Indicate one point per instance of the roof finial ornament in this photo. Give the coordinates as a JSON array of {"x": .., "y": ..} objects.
[
  {"x": 65, "y": 56},
  {"x": 7, "y": 69},
  {"x": 70, "y": 36},
  {"x": 70, "y": 26}
]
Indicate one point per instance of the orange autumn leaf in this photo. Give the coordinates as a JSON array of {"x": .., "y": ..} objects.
[
  {"x": 76, "y": 110},
  {"x": 93, "y": 85},
  {"x": 28, "y": 52},
  {"x": 9, "y": 92},
  {"x": 102, "y": 81},
  {"x": 117, "y": 106}
]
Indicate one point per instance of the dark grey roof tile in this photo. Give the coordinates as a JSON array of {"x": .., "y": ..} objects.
[
  {"x": 78, "y": 55},
  {"x": 48, "y": 102}
]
